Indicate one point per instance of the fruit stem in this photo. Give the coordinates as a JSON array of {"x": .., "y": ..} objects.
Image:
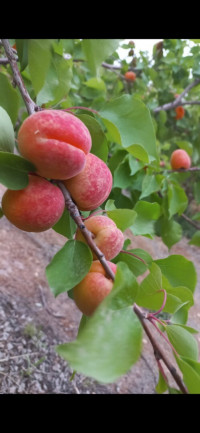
[
  {"x": 134, "y": 255},
  {"x": 163, "y": 304}
]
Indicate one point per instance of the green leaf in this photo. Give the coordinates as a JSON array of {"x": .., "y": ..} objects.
[
  {"x": 136, "y": 266},
  {"x": 96, "y": 83},
  {"x": 177, "y": 199},
  {"x": 7, "y": 134},
  {"x": 22, "y": 51},
  {"x": 123, "y": 218},
  {"x": 179, "y": 271},
  {"x": 107, "y": 346},
  {"x": 149, "y": 295},
  {"x": 171, "y": 231},
  {"x": 9, "y": 98},
  {"x": 161, "y": 386},
  {"x": 122, "y": 177},
  {"x": 147, "y": 214},
  {"x": 14, "y": 170},
  {"x": 99, "y": 141},
  {"x": 69, "y": 266},
  {"x": 150, "y": 286},
  {"x": 97, "y": 50},
  {"x": 39, "y": 58},
  {"x": 191, "y": 373},
  {"x": 188, "y": 328},
  {"x": 57, "y": 82},
  {"x": 1, "y": 213},
  {"x": 181, "y": 315},
  {"x": 195, "y": 239},
  {"x": 183, "y": 293},
  {"x": 66, "y": 225},
  {"x": 196, "y": 216},
  {"x": 124, "y": 289},
  {"x": 135, "y": 165},
  {"x": 151, "y": 183},
  {"x": 183, "y": 341},
  {"x": 186, "y": 145},
  {"x": 135, "y": 128}
]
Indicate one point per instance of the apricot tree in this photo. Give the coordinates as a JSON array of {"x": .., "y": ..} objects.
[{"x": 86, "y": 151}]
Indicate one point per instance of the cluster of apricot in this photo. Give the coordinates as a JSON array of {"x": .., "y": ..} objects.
[{"x": 58, "y": 144}]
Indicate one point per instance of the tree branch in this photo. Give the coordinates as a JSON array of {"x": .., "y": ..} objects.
[
  {"x": 30, "y": 104},
  {"x": 177, "y": 101},
  {"x": 158, "y": 351},
  {"x": 186, "y": 218},
  {"x": 75, "y": 214}
]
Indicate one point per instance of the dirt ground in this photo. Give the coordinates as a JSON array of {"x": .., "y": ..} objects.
[{"x": 33, "y": 322}]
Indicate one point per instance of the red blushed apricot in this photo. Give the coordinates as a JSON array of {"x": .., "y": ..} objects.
[
  {"x": 130, "y": 75},
  {"x": 35, "y": 208},
  {"x": 180, "y": 159},
  {"x": 91, "y": 187},
  {"x": 180, "y": 112},
  {"x": 91, "y": 291},
  {"x": 107, "y": 237},
  {"x": 56, "y": 142}
]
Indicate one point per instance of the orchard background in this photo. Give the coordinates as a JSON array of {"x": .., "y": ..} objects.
[{"x": 138, "y": 111}]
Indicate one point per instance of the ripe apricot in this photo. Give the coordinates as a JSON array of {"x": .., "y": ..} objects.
[
  {"x": 180, "y": 159},
  {"x": 180, "y": 112},
  {"x": 91, "y": 291},
  {"x": 56, "y": 142},
  {"x": 35, "y": 208},
  {"x": 108, "y": 238},
  {"x": 130, "y": 75},
  {"x": 91, "y": 187}
]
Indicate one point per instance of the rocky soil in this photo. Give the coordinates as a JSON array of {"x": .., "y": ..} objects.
[{"x": 33, "y": 322}]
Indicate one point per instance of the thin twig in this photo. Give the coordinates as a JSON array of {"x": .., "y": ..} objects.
[
  {"x": 193, "y": 223},
  {"x": 163, "y": 304},
  {"x": 18, "y": 356},
  {"x": 30, "y": 104},
  {"x": 44, "y": 303},
  {"x": 178, "y": 101},
  {"x": 134, "y": 255},
  {"x": 158, "y": 351}
]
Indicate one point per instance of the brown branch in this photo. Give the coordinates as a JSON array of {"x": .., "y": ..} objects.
[
  {"x": 158, "y": 351},
  {"x": 178, "y": 100},
  {"x": 75, "y": 214},
  {"x": 134, "y": 255},
  {"x": 30, "y": 104},
  {"x": 184, "y": 170},
  {"x": 186, "y": 218},
  {"x": 178, "y": 170},
  {"x": 190, "y": 103},
  {"x": 4, "y": 61}
]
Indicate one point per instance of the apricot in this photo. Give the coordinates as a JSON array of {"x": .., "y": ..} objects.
[
  {"x": 130, "y": 75},
  {"x": 180, "y": 159},
  {"x": 180, "y": 112},
  {"x": 91, "y": 291},
  {"x": 91, "y": 187},
  {"x": 35, "y": 208},
  {"x": 56, "y": 142},
  {"x": 107, "y": 237}
]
